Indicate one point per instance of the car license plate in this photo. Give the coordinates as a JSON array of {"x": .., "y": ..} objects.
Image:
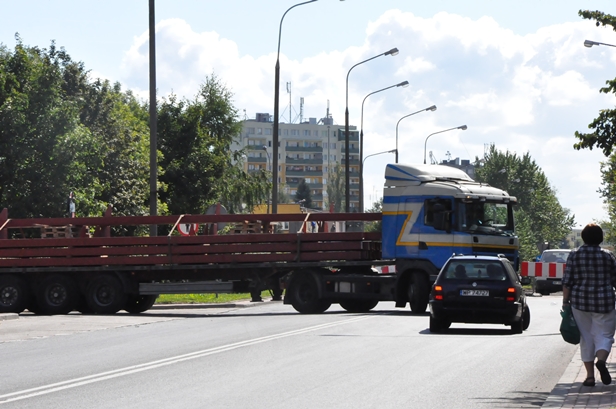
[
  {"x": 557, "y": 282},
  {"x": 477, "y": 293}
]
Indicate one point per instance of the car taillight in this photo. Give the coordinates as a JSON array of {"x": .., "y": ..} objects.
[
  {"x": 510, "y": 291},
  {"x": 438, "y": 292}
]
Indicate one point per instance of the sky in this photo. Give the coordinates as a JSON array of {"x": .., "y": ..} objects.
[{"x": 515, "y": 72}]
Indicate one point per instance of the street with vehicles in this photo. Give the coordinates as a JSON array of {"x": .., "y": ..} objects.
[{"x": 232, "y": 357}]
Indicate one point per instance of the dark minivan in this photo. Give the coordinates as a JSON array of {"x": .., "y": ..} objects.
[{"x": 478, "y": 289}]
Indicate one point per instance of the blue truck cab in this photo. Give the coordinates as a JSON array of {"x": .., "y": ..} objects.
[{"x": 433, "y": 211}]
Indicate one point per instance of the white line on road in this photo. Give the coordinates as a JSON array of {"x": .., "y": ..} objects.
[{"x": 73, "y": 383}]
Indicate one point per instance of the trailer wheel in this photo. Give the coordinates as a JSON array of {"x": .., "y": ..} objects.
[
  {"x": 358, "y": 305},
  {"x": 305, "y": 295},
  {"x": 419, "y": 292},
  {"x": 136, "y": 304},
  {"x": 56, "y": 294},
  {"x": 14, "y": 294},
  {"x": 105, "y": 295}
]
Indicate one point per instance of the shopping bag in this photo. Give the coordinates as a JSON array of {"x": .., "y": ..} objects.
[{"x": 568, "y": 329}]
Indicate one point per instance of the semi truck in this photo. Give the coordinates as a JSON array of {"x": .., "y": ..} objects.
[{"x": 106, "y": 264}]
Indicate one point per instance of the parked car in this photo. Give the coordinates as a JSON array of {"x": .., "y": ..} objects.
[
  {"x": 478, "y": 289},
  {"x": 547, "y": 285}
]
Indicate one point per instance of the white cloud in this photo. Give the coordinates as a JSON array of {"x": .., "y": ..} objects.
[{"x": 524, "y": 93}]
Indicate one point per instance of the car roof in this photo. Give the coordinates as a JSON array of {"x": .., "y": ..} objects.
[{"x": 477, "y": 257}]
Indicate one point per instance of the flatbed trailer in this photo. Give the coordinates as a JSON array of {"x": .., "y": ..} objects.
[{"x": 57, "y": 265}]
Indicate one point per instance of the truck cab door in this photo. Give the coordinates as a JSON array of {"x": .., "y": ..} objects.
[{"x": 435, "y": 233}]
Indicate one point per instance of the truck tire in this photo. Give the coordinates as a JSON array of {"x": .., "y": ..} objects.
[
  {"x": 358, "y": 305},
  {"x": 56, "y": 294},
  {"x": 14, "y": 294},
  {"x": 418, "y": 293},
  {"x": 305, "y": 295},
  {"x": 136, "y": 304},
  {"x": 105, "y": 295}
]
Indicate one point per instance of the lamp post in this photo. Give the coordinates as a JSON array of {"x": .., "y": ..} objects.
[
  {"x": 432, "y": 108},
  {"x": 590, "y": 43},
  {"x": 269, "y": 162},
  {"x": 392, "y": 52},
  {"x": 463, "y": 127},
  {"x": 361, "y": 143},
  {"x": 153, "y": 119},
  {"x": 276, "y": 105}
]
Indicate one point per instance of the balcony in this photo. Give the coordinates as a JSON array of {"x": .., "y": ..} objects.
[
  {"x": 304, "y": 149},
  {"x": 256, "y": 160},
  {"x": 311, "y": 185},
  {"x": 303, "y": 173},
  {"x": 294, "y": 161}
]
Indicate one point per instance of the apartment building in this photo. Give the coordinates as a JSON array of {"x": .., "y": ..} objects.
[{"x": 309, "y": 150}]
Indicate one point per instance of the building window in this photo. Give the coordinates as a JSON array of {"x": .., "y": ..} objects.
[
  {"x": 259, "y": 131},
  {"x": 306, "y": 132},
  {"x": 251, "y": 131},
  {"x": 268, "y": 131},
  {"x": 286, "y": 132}
]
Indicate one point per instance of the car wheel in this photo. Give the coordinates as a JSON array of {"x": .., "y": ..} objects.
[
  {"x": 437, "y": 325},
  {"x": 518, "y": 326},
  {"x": 526, "y": 318}
]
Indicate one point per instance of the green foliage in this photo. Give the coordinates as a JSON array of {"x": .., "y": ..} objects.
[
  {"x": 603, "y": 136},
  {"x": 377, "y": 207},
  {"x": 303, "y": 195},
  {"x": 539, "y": 215},
  {"x": 336, "y": 189},
  {"x": 40, "y": 93},
  {"x": 200, "y": 168}
]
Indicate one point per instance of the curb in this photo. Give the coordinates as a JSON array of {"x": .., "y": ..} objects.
[
  {"x": 566, "y": 383},
  {"x": 8, "y": 316}
]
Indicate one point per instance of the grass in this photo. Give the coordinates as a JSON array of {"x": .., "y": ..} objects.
[{"x": 204, "y": 298}]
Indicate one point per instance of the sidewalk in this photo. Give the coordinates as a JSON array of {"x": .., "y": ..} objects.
[{"x": 569, "y": 392}]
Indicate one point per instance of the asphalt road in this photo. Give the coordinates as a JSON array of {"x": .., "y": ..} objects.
[{"x": 270, "y": 356}]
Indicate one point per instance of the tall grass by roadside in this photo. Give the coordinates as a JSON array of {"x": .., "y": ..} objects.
[{"x": 204, "y": 298}]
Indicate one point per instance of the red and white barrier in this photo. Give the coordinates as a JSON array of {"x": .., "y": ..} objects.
[
  {"x": 544, "y": 270},
  {"x": 385, "y": 269}
]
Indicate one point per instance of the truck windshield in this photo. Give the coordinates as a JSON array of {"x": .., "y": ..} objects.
[{"x": 485, "y": 217}]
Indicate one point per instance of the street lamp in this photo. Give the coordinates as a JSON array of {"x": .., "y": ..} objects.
[
  {"x": 463, "y": 127},
  {"x": 362, "y": 166},
  {"x": 276, "y": 105},
  {"x": 590, "y": 43},
  {"x": 432, "y": 108},
  {"x": 361, "y": 144},
  {"x": 269, "y": 162},
  {"x": 392, "y": 52}
]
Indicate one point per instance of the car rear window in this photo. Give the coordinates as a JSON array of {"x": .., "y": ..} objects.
[
  {"x": 463, "y": 269},
  {"x": 555, "y": 256}
]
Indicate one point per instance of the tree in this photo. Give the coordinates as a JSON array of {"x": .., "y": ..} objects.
[
  {"x": 40, "y": 98},
  {"x": 603, "y": 136},
  {"x": 303, "y": 195},
  {"x": 377, "y": 207},
  {"x": 200, "y": 169},
  {"x": 539, "y": 215},
  {"x": 336, "y": 189}
]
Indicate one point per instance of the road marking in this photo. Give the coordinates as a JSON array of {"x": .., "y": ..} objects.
[{"x": 74, "y": 383}]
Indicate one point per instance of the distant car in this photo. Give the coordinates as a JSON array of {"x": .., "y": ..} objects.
[
  {"x": 478, "y": 289},
  {"x": 544, "y": 285}
]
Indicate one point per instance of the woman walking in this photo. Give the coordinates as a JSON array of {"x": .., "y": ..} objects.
[{"x": 588, "y": 287}]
